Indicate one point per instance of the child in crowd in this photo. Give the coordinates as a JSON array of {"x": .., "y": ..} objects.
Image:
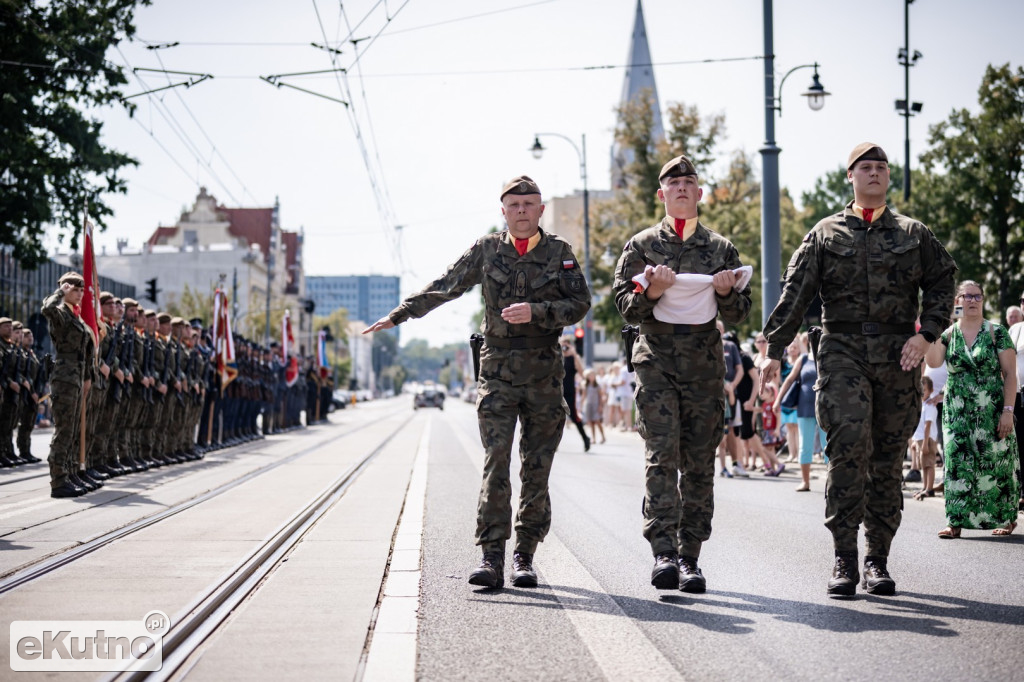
[
  {"x": 771, "y": 437},
  {"x": 923, "y": 446},
  {"x": 593, "y": 404}
]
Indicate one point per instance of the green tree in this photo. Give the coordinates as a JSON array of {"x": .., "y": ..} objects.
[
  {"x": 52, "y": 161},
  {"x": 973, "y": 194},
  {"x": 192, "y": 303}
]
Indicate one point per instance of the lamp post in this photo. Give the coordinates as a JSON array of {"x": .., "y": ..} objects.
[
  {"x": 904, "y": 106},
  {"x": 771, "y": 249},
  {"x": 538, "y": 150}
]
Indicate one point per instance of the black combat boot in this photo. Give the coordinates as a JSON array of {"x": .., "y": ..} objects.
[
  {"x": 491, "y": 572},
  {"x": 79, "y": 482},
  {"x": 876, "y": 577},
  {"x": 67, "y": 489},
  {"x": 691, "y": 579},
  {"x": 844, "y": 576},
  {"x": 96, "y": 475},
  {"x": 523, "y": 574},
  {"x": 665, "y": 574}
]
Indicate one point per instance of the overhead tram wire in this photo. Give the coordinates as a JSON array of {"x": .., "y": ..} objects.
[
  {"x": 373, "y": 133},
  {"x": 385, "y": 213},
  {"x": 213, "y": 146},
  {"x": 179, "y": 131}
]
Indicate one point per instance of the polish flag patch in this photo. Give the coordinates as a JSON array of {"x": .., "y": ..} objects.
[{"x": 568, "y": 264}]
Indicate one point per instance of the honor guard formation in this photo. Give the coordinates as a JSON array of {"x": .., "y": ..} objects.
[{"x": 152, "y": 395}]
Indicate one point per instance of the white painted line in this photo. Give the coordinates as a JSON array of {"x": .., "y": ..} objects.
[
  {"x": 25, "y": 510},
  {"x": 618, "y": 645},
  {"x": 392, "y": 654}
]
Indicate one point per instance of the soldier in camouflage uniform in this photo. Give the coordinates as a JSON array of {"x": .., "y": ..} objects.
[
  {"x": 72, "y": 373},
  {"x": 679, "y": 369},
  {"x": 10, "y": 360},
  {"x": 868, "y": 265},
  {"x": 30, "y": 407},
  {"x": 532, "y": 288}
]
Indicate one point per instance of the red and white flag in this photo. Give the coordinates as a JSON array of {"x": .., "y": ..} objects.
[
  {"x": 291, "y": 370},
  {"x": 91, "y": 300},
  {"x": 223, "y": 343}
]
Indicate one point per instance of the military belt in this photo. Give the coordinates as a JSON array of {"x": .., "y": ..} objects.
[
  {"x": 520, "y": 342},
  {"x": 668, "y": 328},
  {"x": 868, "y": 328}
]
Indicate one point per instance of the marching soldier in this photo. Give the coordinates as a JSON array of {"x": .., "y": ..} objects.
[
  {"x": 876, "y": 272},
  {"x": 532, "y": 288}
]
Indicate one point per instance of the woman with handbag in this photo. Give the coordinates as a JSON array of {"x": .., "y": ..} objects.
[
  {"x": 802, "y": 380},
  {"x": 980, "y": 486}
]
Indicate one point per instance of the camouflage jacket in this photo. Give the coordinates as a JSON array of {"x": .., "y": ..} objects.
[
  {"x": 888, "y": 273},
  {"x": 548, "y": 277},
  {"x": 696, "y": 356},
  {"x": 73, "y": 342}
]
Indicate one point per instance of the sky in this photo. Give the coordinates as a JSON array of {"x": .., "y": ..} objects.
[{"x": 446, "y": 96}]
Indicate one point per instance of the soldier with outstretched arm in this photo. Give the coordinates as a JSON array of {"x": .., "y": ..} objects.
[{"x": 532, "y": 289}]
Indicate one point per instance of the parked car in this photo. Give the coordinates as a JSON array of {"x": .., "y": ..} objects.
[{"x": 428, "y": 396}]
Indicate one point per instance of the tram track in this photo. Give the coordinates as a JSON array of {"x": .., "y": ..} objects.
[
  {"x": 26, "y": 574},
  {"x": 194, "y": 624}
]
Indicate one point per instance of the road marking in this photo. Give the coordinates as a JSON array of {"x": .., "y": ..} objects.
[
  {"x": 618, "y": 645},
  {"x": 392, "y": 654},
  {"x": 25, "y": 510}
]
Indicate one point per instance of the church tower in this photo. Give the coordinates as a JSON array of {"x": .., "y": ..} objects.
[{"x": 638, "y": 82}]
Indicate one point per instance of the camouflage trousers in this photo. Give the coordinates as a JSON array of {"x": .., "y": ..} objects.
[
  {"x": 67, "y": 415},
  {"x": 26, "y": 422},
  {"x": 541, "y": 411},
  {"x": 681, "y": 424},
  {"x": 8, "y": 420},
  {"x": 868, "y": 411}
]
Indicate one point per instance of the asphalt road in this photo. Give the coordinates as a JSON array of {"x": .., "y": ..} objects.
[{"x": 958, "y": 613}]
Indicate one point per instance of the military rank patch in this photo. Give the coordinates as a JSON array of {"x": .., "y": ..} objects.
[{"x": 568, "y": 264}]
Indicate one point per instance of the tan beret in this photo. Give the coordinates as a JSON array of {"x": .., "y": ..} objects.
[
  {"x": 177, "y": 321},
  {"x": 866, "y": 151},
  {"x": 163, "y": 318},
  {"x": 106, "y": 297},
  {"x": 5, "y": 320},
  {"x": 17, "y": 325},
  {"x": 72, "y": 278},
  {"x": 523, "y": 184},
  {"x": 677, "y": 167},
  {"x": 130, "y": 303},
  {"x": 149, "y": 313}
]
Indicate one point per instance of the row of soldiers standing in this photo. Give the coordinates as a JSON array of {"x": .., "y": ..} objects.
[
  {"x": 153, "y": 393},
  {"x": 23, "y": 378}
]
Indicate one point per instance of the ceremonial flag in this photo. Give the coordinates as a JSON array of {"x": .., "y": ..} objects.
[
  {"x": 291, "y": 364},
  {"x": 321, "y": 353},
  {"x": 91, "y": 299},
  {"x": 223, "y": 342}
]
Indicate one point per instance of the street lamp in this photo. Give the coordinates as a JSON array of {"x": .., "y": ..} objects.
[
  {"x": 771, "y": 250},
  {"x": 538, "y": 151},
  {"x": 904, "y": 107}
]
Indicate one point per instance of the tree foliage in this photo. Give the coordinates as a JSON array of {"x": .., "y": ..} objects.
[
  {"x": 972, "y": 193},
  {"x": 191, "y": 304},
  {"x": 52, "y": 161}
]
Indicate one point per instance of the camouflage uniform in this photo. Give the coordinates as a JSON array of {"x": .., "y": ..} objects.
[
  {"x": 679, "y": 397},
  {"x": 10, "y": 356},
  {"x": 29, "y": 408},
  {"x": 520, "y": 371},
  {"x": 73, "y": 344},
  {"x": 868, "y": 277}
]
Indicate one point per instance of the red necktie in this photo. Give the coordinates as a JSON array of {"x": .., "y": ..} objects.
[
  {"x": 680, "y": 225},
  {"x": 868, "y": 213},
  {"x": 521, "y": 246},
  {"x": 77, "y": 310}
]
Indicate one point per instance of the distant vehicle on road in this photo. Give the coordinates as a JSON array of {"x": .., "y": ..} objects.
[{"x": 428, "y": 396}]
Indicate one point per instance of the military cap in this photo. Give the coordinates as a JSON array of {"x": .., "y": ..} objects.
[
  {"x": 15, "y": 325},
  {"x": 523, "y": 184},
  {"x": 5, "y": 320},
  {"x": 196, "y": 323},
  {"x": 677, "y": 167},
  {"x": 72, "y": 278},
  {"x": 177, "y": 321},
  {"x": 163, "y": 318},
  {"x": 106, "y": 297},
  {"x": 130, "y": 303},
  {"x": 149, "y": 313},
  {"x": 866, "y": 151}
]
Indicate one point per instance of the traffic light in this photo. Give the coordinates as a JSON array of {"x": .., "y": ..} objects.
[
  {"x": 151, "y": 290},
  {"x": 579, "y": 340},
  {"x": 309, "y": 305}
]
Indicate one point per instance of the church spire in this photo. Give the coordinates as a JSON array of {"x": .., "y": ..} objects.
[{"x": 638, "y": 81}]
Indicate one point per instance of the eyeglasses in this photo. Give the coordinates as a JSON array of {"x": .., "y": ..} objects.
[{"x": 973, "y": 297}]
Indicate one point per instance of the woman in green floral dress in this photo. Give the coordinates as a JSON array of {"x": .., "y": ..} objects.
[{"x": 980, "y": 485}]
